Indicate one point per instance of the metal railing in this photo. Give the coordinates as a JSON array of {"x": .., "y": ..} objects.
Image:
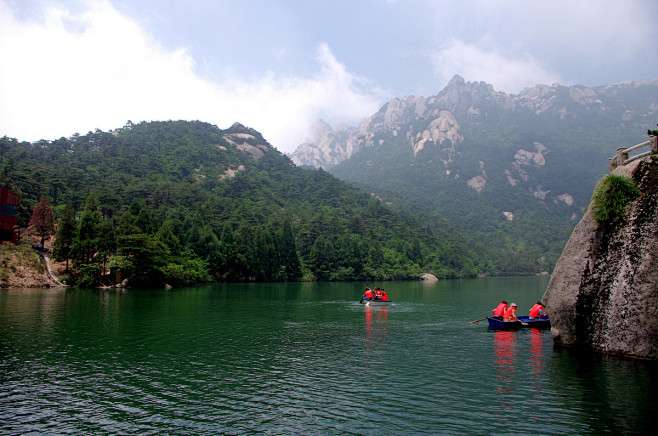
[{"x": 622, "y": 157}]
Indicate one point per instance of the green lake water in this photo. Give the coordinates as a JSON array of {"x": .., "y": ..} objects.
[{"x": 306, "y": 359}]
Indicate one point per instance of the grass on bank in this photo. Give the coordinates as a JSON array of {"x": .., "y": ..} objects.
[{"x": 611, "y": 196}]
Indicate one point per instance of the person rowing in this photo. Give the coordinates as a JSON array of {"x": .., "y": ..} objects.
[
  {"x": 500, "y": 310},
  {"x": 537, "y": 311}
]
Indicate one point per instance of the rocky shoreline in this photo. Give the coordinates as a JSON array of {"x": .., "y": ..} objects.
[{"x": 602, "y": 294}]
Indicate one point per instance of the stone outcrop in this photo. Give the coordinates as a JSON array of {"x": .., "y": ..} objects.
[
  {"x": 603, "y": 294},
  {"x": 241, "y": 142},
  {"x": 427, "y": 277},
  {"x": 328, "y": 146}
]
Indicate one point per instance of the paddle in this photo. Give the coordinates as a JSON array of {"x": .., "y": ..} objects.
[{"x": 477, "y": 320}]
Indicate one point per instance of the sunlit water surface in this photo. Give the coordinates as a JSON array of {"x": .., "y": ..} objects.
[{"x": 303, "y": 359}]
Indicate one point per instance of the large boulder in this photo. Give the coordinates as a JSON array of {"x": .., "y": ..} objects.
[{"x": 603, "y": 294}]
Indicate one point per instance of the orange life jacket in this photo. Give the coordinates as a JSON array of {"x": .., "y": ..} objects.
[
  {"x": 500, "y": 310},
  {"x": 368, "y": 293},
  {"x": 384, "y": 296},
  {"x": 509, "y": 314},
  {"x": 534, "y": 312}
]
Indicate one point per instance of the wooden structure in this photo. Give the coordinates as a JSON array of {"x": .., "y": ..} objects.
[{"x": 8, "y": 218}]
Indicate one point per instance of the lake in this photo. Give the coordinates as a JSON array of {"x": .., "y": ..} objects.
[{"x": 304, "y": 358}]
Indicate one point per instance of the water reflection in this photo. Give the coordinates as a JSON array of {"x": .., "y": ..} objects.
[
  {"x": 32, "y": 312},
  {"x": 376, "y": 328},
  {"x": 536, "y": 357},
  {"x": 376, "y": 322},
  {"x": 622, "y": 391},
  {"x": 505, "y": 357},
  {"x": 302, "y": 359}
]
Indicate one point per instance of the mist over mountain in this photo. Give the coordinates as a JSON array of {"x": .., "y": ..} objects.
[{"x": 513, "y": 171}]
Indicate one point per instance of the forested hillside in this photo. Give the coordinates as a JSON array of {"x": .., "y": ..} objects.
[
  {"x": 186, "y": 202},
  {"x": 514, "y": 172}
]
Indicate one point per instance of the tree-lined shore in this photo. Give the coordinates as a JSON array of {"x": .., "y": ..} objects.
[{"x": 185, "y": 202}]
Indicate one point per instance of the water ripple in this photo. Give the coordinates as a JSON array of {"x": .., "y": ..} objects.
[{"x": 209, "y": 362}]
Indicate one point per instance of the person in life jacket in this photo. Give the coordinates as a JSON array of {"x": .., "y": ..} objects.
[
  {"x": 537, "y": 311},
  {"x": 378, "y": 294},
  {"x": 368, "y": 294},
  {"x": 383, "y": 295},
  {"x": 500, "y": 310},
  {"x": 510, "y": 313}
]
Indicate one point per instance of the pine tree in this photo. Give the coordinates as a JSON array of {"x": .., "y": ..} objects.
[
  {"x": 289, "y": 255},
  {"x": 85, "y": 245},
  {"x": 321, "y": 259},
  {"x": 43, "y": 220},
  {"x": 228, "y": 250},
  {"x": 65, "y": 234}
]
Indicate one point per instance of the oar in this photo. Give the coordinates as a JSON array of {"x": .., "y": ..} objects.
[{"x": 477, "y": 321}]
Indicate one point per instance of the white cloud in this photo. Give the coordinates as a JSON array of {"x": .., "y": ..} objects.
[
  {"x": 476, "y": 63},
  {"x": 97, "y": 69},
  {"x": 591, "y": 42},
  {"x": 74, "y": 72},
  {"x": 283, "y": 109},
  {"x": 590, "y": 28}
]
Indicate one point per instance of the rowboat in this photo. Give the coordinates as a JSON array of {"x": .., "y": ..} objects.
[
  {"x": 523, "y": 322},
  {"x": 375, "y": 302}
]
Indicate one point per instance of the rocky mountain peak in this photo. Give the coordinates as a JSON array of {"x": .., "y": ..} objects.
[
  {"x": 320, "y": 129},
  {"x": 437, "y": 119},
  {"x": 456, "y": 81},
  {"x": 247, "y": 140}
]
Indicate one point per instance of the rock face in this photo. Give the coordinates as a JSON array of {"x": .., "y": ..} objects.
[
  {"x": 328, "y": 146},
  {"x": 603, "y": 294},
  {"x": 435, "y": 119},
  {"x": 247, "y": 140}
]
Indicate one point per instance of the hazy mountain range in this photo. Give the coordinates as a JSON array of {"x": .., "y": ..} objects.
[{"x": 514, "y": 171}]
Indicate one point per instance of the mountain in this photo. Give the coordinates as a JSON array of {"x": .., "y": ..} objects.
[
  {"x": 513, "y": 171},
  {"x": 186, "y": 202}
]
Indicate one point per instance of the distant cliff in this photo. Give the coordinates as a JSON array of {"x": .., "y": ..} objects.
[
  {"x": 460, "y": 102},
  {"x": 603, "y": 294},
  {"x": 513, "y": 171},
  {"x": 547, "y": 140}
]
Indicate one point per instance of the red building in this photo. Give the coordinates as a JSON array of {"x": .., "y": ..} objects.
[{"x": 8, "y": 219}]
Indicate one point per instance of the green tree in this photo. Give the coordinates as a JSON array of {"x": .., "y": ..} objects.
[
  {"x": 414, "y": 251},
  {"x": 168, "y": 238},
  {"x": 85, "y": 244},
  {"x": 266, "y": 255},
  {"x": 208, "y": 247},
  {"x": 144, "y": 221},
  {"x": 66, "y": 233},
  {"x": 321, "y": 258},
  {"x": 348, "y": 253},
  {"x": 107, "y": 242},
  {"x": 145, "y": 257},
  {"x": 229, "y": 255},
  {"x": 289, "y": 255}
]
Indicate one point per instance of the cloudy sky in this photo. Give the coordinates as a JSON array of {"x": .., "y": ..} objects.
[{"x": 278, "y": 65}]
